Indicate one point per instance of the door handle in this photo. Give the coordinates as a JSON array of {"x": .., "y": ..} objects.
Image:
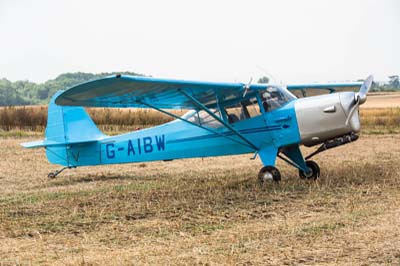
[{"x": 330, "y": 109}]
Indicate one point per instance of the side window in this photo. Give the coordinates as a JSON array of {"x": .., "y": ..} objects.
[
  {"x": 235, "y": 113},
  {"x": 252, "y": 107},
  {"x": 194, "y": 118},
  {"x": 204, "y": 119},
  {"x": 243, "y": 110},
  {"x": 209, "y": 121}
]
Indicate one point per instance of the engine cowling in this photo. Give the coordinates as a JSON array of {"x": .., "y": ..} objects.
[{"x": 324, "y": 117}]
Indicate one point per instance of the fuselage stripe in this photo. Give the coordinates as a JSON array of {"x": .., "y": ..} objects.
[{"x": 228, "y": 133}]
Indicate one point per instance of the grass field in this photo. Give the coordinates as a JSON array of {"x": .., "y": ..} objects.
[
  {"x": 207, "y": 211},
  {"x": 202, "y": 211}
]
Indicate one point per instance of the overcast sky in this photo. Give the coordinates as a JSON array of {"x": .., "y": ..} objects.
[{"x": 225, "y": 40}]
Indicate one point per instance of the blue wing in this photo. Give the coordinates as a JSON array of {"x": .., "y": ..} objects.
[
  {"x": 319, "y": 88},
  {"x": 134, "y": 91}
]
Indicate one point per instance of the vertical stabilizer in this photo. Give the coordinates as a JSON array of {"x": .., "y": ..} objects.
[{"x": 66, "y": 126}]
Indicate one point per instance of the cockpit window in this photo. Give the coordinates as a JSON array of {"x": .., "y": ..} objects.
[
  {"x": 243, "y": 110},
  {"x": 273, "y": 98},
  {"x": 203, "y": 118}
]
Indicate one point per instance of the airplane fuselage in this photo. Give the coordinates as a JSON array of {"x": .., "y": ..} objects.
[
  {"x": 268, "y": 132},
  {"x": 179, "y": 139}
]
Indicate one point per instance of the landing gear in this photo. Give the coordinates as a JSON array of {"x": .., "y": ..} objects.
[
  {"x": 51, "y": 175},
  {"x": 268, "y": 173},
  {"x": 293, "y": 156},
  {"x": 54, "y": 174},
  {"x": 314, "y": 171}
]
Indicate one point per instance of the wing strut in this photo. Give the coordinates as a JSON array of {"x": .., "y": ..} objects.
[
  {"x": 203, "y": 107},
  {"x": 194, "y": 124}
]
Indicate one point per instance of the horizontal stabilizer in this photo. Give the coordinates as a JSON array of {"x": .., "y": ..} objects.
[{"x": 49, "y": 143}]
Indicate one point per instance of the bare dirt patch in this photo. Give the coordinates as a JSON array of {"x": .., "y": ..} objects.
[{"x": 383, "y": 100}]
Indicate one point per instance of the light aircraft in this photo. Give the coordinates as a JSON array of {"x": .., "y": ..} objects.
[{"x": 224, "y": 119}]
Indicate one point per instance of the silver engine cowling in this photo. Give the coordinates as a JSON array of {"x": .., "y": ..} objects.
[{"x": 325, "y": 117}]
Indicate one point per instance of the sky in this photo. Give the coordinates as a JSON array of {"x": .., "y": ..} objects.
[{"x": 211, "y": 40}]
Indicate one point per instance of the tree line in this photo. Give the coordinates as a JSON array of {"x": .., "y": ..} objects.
[{"x": 30, "y": 93}]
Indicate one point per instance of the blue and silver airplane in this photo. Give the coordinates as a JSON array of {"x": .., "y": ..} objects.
[{"x": 224, "y": 119}]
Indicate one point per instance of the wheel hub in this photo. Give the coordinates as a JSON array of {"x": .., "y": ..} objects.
[
  {"x": 268, "y": 173},
  {"x": 267, "y": 176},
  {"x": 309, "y": 173},
  {"x": 313, "y": 171}
]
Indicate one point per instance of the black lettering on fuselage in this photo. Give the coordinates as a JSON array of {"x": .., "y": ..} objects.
[
  {"x": 145, "y": 144},
  {"x": 110, "y": 153},
  {"x": 139, "y": 147},
  {"x": 160, "y": 142},
  {"x": 130, "y": 148}
]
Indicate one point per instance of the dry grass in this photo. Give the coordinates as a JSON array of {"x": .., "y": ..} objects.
[
  {"x": 27, "y": 118},
  {"x": 23, "y": 121},
  {"x": 203, "y": 212},
  {"x": 380, "y": 120},
  {"x": 34, "y": 118},
  {"x": 117, "y": 119}
]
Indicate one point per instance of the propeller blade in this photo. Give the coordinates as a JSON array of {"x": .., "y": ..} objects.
[
  {"x": 361, "y": 97},
  {"x": 353, "y": 109},
  {"x": 362, "y": 94}
]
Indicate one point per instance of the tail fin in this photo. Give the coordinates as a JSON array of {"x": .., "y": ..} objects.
[
  {"x": 70, "y": 124},
  {"x": 66, "y": 125}
]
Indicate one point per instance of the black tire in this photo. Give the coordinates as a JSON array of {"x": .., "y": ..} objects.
[
  {"x": 268, "y": 173},
  {"x": 51, "y": 175},
  {"x": 315, "y": 171}
]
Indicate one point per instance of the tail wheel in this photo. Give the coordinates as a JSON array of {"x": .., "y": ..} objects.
[
  {"x": 51, "y": 175},
  {"x": 268, "y": 173},
  {"x": 314, "y": 171}
]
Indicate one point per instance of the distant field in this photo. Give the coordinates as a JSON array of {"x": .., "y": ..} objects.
[
  {"x": 383, "y": 100},
  {"x": 202, "y": 211}
]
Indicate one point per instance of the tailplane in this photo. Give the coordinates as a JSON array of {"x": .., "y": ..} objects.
[{"x": 66, "y": 126}]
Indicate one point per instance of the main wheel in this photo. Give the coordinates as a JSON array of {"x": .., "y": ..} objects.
[
  {"x": 268, "y": 173},
  {"x": 314, "y": 171}
]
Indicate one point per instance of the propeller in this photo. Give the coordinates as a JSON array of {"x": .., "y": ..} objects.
[{"x": 360, "y": 97}]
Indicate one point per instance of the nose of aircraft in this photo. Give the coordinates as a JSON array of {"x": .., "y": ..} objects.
[
  {"x": 325, "y": 117},
  {"x": 359, "y": 98}
]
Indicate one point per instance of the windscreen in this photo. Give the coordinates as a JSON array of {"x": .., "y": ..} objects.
[{"x": 275, "y": 97}]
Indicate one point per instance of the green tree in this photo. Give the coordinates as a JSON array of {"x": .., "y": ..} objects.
[
  {"x": 394, "y": 81},
  {"x": 25, "y": 92},
  {"x": 263, "y": 80}
]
